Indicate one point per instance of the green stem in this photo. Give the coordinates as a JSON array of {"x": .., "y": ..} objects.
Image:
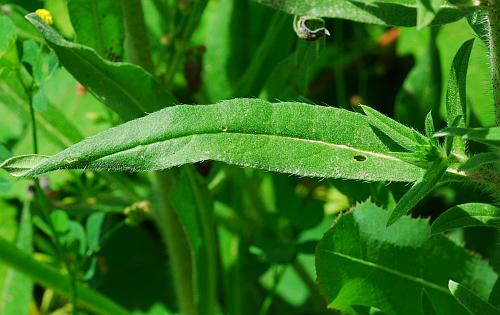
[
  {"x": 316, "y": 298},
  {"x": 177, "y": 245},
  {"x": 493, "y": 23},
  {"x": 48, "y": 277},
  {"x": 136, "y": 35}
]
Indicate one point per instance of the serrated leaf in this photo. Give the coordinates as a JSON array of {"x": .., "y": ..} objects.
[
  {"x": 418, "y": 191},
  {"x": 98, "y": 24},
  {"x": 473, "y": 303},
  {"x": 382, "y": 12},
  {"x": 406, "y": 137},
  {"x": 456, "y": 97},
  {"x": 466, "y": 215},
  {"x": 126, "y": 88},
  {"x": 361, "y": 262},
  {"x": 301, "y": 139},
  {"x": 489, "y": 136}
]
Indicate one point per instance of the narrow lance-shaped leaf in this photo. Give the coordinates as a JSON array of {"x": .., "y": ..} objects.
[
  {"x": 456, "y": 97},
  {"x": 473, "y": 303},
  {"x": 382, "y": 12},
  {"x": 489, "y": 136},
  {"x": 469, "y": 214},
  {"x": 126, "y": 88},
  {"x": 480, "y": 159},
  {"x": 360, "y": 261},
  {"x": 419, "y": 190},
  {"x": 294, "y": 138},
  {"x": 405, "y": 137}
]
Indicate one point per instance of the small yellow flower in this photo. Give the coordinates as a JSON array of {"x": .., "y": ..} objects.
[{"x": 45, "y": 15}]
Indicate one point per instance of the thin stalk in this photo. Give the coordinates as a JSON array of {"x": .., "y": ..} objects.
[
  {"x": 44, "y": 209},
  {"x": 165, "y": 214},
  {"x": 493, "y": 26},
  {"x": 136, "y": 35},
  {"x": 205, "y": 215},
  {"x": 177, "y": 245},
  {"x": 316, "y": 298}
]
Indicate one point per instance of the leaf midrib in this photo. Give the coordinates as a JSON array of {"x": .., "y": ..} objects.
[{"x": 411, "y": 278}]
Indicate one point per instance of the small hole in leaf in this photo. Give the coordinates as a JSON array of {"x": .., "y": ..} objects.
[
  {"x": 359, "y": 158},
  {"x": 223, "y": 128}
]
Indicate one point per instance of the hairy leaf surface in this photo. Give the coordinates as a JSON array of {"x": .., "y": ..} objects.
[
  {"x": 469, "y": 214},
  {"x": 294, "y": 138},
  {"x": 361, "y": 262}
]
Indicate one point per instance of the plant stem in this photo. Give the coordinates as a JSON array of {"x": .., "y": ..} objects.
[
  {"x": 165, "y": 214},
  {"x": 136, "y": 36},
  {"x": 493, "y": 26},
  {"x": 176, "y": 241}
]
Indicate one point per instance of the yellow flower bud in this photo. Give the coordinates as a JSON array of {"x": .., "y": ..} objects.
[{"x": 45, "y": 15}]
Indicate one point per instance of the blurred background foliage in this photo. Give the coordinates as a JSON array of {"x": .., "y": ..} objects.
[{"x": 268, "y": 223}]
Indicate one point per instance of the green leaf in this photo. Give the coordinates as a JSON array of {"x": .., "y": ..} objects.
[
  {"x": 40, "y": 102},
  {"x": 8, "y": 34},
  {"x": 426, "y": 11},
  {"x": 489, "y": 136},
  {"x": 361, "y": 262},
  {"x": 479, "y": 160},
  {"x": 382, "y": 12},
  {"x": 126, "y": 88},
  {"x": 429, "y": 128},
  {"x": 456, "y": 98},
  {"x": 48, "y": 277},
  {"x": 98, "y": 24},
  {"x": 93, "y": 230},
  {"x": 301, "y": 139},
  {"x": 418, "y": 191},
  {"x": 402, "y": 135},
  {"x": 427, "y": 307},
  {"x": 18, "y": 288},
  {"x": 473, "y": 303},
  {"x": 465, "y": 215}
]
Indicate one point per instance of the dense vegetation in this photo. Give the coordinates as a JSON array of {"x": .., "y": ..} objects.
[{"x": 345, "y": 159}]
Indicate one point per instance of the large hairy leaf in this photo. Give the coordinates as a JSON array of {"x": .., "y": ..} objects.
[
  {"x": 361, "y": 262},
  {"x": 383, "y": 12},
  {"x": 126, "y": 88},
  {"x": 294, "y": 138}
]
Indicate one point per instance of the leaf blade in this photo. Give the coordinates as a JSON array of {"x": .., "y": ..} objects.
[
  {"x": 294, "y": 138},
  {"x": 471, "y": 301},
  {"x": 465, "y": 215}
]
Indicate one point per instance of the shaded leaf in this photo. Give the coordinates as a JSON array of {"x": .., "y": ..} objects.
[
  {"x": 126, "y": 88},
  {"x": 473, "y": 303},
  {"x": 480, "y": 159},
  {"x": 18, "y": 288},
  {"x": 98, "y": 24},
  {"x": 392, "y": 12},
  {"x": 465, "y": 215},
  {"x": 426, "y": 11},
  {"x": 294, "y": 138},
  {"x": 51, "y": 278},
  {"x": 427, "y": 307},
  {"x": 418, "y": 191},
  {"x": 8, "y": 34},
  {"x": 489, "y": 136},
  {"x": 361, "y": 262}
]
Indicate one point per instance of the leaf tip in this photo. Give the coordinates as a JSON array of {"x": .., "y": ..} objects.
[{"x": 453, "y": 286}]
